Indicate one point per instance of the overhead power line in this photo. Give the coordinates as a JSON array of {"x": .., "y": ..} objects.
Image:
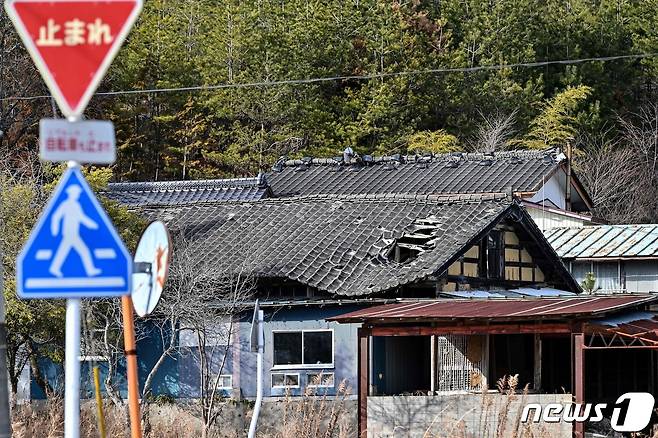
[{"x": 356, "y": 77}]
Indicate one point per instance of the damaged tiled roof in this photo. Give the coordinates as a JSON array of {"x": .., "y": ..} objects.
[
  {"x": 139, "y": 194},
  {"x": 337, "y": 244},
  {"x": 521, "y": 171}
]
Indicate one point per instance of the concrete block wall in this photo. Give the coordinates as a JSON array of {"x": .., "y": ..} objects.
[{"x": 471, "y": 415}]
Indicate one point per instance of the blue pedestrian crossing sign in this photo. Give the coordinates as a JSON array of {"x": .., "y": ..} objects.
[{"x": 73, "y": 250}]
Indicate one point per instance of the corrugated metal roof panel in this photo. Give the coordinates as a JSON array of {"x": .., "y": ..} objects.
[
  {"x": 643, "y": 325},
  {"x": 611, "y": 233},
  {"x": 605, "y": 241},
  {"x": 591, "y": 237},
  {"x": 628, "y": 238},
  {"x": 503, "y": 309},
  {"x": 561, "y": 238}
]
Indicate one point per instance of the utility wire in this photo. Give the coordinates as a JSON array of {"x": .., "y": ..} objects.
[{"x": 356, "y": 77}]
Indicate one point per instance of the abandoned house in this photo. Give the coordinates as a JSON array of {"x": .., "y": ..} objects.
[
  {"x": 621, "y": 258},
  {"x": 319, "y": 256}
]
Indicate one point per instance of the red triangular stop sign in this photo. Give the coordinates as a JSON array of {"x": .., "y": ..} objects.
[{"x": 73, "y": 42}]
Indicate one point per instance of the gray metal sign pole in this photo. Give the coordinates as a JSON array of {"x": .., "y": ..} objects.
[
  {"x": 5, "y": 419},
  {"x": 72, "y": 363},
  {"x": 259, "y": 345}
]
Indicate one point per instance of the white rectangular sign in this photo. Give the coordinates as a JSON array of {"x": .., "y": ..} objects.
[{"x": 88, "y": 141}]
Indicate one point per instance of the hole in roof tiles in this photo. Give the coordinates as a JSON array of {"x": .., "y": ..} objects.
[{"x": 421, "y": 236}]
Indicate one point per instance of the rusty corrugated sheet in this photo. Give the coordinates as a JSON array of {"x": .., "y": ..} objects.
[
  {"x": 643, "y": 325},
  {"x": 503, "y": 309},
  {"x": 605, "y": 241}
]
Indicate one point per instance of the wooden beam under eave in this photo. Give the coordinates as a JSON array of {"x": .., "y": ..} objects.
[{"x": 471, "y": 329}]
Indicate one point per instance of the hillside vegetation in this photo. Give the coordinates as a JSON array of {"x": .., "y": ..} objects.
[{"x": 239, "y": 130}]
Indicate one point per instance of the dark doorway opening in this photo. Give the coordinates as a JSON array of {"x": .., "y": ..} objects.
[
  {"x": 610, "y": 373},
  {"x": 556, "y": 364},
  {"x": 510, "y": 355},
  {"x": 401, "y": 365}
]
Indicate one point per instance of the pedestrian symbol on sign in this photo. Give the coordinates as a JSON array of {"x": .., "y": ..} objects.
[
  {"x": 73, "y": 251},
  {"x": 71, "y": 214}
]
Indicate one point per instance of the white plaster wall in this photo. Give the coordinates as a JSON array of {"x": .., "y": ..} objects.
[
  {"x": 546, "y": 220},
  {"x": 552, "y": 190}
]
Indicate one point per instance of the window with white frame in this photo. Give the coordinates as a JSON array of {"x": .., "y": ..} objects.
[
  {"x": 321, "y": 380},
  {"x": 225, "y": 381},
  {"x": 304, "y": 348},
  {"x": 285, "y": 380}
]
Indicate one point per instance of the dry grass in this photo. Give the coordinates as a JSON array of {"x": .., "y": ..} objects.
[
  {"x": 310, "y": 416},
  {"x": 46, "y": 420},
  {"x": 315, "y": 415}
]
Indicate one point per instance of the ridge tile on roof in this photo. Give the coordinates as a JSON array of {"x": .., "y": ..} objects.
[
  {"x": 519, "y": 171},
  {"x": 140, "y": 194}
]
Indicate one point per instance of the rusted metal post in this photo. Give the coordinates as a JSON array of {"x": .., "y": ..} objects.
[
  {"x": 363, "y": 380},
  {"x": 131, "y": 365},
  {"x": 579, "y": 379}
]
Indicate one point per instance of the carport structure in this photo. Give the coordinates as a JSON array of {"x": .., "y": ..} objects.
[{"x": 530, "y": 336}]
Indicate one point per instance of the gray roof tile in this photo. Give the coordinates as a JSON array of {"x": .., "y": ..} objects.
[
  {"x": 140, "y": 194},
  {"x": 333, "y": 243},
  {"x": 522, "y": 171}
]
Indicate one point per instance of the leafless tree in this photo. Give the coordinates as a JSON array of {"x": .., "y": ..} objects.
[
  {"x": 103, "y": 337},
  {"x": 215, "y": 336},
  {"x": 640, "y": 133},
  {"x": 494, "y": 132},
  {"x": 621, "y": 173},
  {"x": 199, "y": 303},
  {"x": 18, "y": 78},
  {"x": 613, "y": 176}
]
